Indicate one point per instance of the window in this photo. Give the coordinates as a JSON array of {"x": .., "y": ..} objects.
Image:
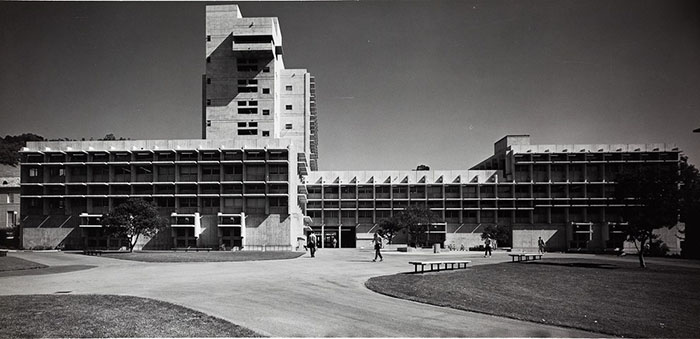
[
  {"x": 247, "y": 65},
  {"x": 208, "y": 102},
  {"x": 248, "y": 86},
  {"x": 208, "y": 123},
  {"x": 266, "y": 112},
  {"x": 288, "y": 126},
  {"x": 247, "y": 107},
  {"x": 248, "y": 110},
  {"x": 266, "y": 133},
  {"x": 209, "y": 81},
  {"x": 247, "y": 132},
  {"x": 266, "y": 91},
  {"x": 288, "y": 87},
  {"x": 208, "y": 59},
  {"x": 288, "y": 107},
  {"x": 208, "y": 37},
  {"x": 33, "y": 172},
  {"x": 242, "y": 130}
]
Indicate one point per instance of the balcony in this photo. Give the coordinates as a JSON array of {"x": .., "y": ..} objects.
[{"x": 265, "y": 49}]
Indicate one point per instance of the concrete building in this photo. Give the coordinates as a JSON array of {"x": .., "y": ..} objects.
[
  {"x": 9, "y": 202},
  {"x": 236, "y": 187},
  {"x": 562, "y": 193},
  {"x": 252, "y": 182}
]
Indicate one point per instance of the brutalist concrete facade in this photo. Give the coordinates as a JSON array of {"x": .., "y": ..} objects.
[{"x": 251, "y": 182}]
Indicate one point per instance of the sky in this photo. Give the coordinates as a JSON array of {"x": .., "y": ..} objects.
[{"x": 399, "y": 83}]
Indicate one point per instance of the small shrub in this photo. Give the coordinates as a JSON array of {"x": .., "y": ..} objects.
[{"x": 657, "y": 248}]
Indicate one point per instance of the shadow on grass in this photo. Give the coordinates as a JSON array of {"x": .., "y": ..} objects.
[
  {"x": 577, "y": 264},
  {"x": 46, "y": 270}
]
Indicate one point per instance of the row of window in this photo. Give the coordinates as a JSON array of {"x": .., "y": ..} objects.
[
  {"x": 157, "y": 189},
  {"x": 608, "y": 156},
  {"x": 593, "y": 190},
  {"x": 541, "y": 215},
  {"x": 147, "y": 156},
  {"x": 277, "y": 204}
]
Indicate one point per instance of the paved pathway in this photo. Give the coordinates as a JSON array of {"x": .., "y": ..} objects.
[{"x": 304, "y": 297}]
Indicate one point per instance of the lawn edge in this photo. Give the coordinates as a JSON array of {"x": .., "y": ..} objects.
[
  {"x": 366, "y": 284},
  {"x": 27, "y": 268},
  {"x": 168, "y": 303}
]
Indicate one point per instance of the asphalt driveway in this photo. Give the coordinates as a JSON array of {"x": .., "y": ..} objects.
[{"x": 304, "y": 297}]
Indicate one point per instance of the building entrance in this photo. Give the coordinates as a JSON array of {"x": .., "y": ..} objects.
[
  {"x": 348, "y": 237},
  {"x": 344, "y": 236}
]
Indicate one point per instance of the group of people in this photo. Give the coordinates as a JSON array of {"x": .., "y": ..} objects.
[
  {"x": 488, "y": 248},
  {"x": 378, "y": 245},
  {"x": 312, "y": 241}
]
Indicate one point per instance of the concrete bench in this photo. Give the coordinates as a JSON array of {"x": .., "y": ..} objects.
[
  {"x": 525, "y": 256},
  {"x": 433, "y": 264},
  {"x": 192, "y": 249}
]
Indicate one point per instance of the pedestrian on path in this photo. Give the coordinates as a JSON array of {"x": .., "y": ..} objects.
[
  {"x": 540, "y": 245},
  {"x": 312, "y": 244},
  {"x": 377, "y": 247},
  {"x": 487, "y": 244}
]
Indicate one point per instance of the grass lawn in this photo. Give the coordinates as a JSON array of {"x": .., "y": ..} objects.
[
  {"x": 213, "y": 256},
  {"x": 25, "y": 316},
  {"x": 605, "y": 296},
  {"x": 13, "y": 264}
]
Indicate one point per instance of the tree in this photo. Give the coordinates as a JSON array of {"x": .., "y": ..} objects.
[
  {"x": 690, "y": 208},
  {"x": 651, "y": 199},
  {"x": 422, "y": 167},
  {"x": 390, "y": 227},
  {"x": 499, "y": 233},
  {"x": 133, "y": 218},
  {"x": 416, "y": 221},
  {"x": 109, "y": 136},
  {"x": 10, "y": 146}
]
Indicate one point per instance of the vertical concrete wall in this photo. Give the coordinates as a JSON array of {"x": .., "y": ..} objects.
[
  {"x": 525, "y": 237},
  {"x": 48, "y": 238}
]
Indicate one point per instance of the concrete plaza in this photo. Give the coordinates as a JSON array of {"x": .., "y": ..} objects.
[{"x": 304, "y": 297}]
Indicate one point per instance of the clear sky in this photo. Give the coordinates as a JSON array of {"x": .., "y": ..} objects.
[{"x": 398, "y": 83}]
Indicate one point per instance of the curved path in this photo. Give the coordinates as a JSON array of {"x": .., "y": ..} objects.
[{"x": 304, "y": 297}]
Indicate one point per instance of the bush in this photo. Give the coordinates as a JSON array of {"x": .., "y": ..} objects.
[{"x": 657, "y": 248}]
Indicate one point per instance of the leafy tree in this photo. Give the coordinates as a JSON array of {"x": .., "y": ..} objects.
[
  {"x": 651, "y": 199},
  {"x": 134, "y": 218},
  {"x": 499, "y": 233},
  {"x": 10, "y": 146},
  {"x": 109, "y": 136},
  {"x": 422, "y": 167},
  {"x": 390, "y": 227},
  {"x": 416, "y": 220},
  {"x": 690, "y": 208}
]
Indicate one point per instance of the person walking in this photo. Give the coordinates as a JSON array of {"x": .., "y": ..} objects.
[
  {"x": 377, "y": 247},
  {"x": 312, "y": 244},
  {"x": 335, "y": 242},
  {"x": 540, "y": 245},
  {"x": 487, "y": 244}
]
